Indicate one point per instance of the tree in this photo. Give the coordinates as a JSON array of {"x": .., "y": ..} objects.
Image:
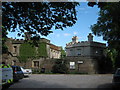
[
  {"x": 63, "y": 53},
  {"x": 105, "y": 64},
  {"x": 108, "y": 23},
  {"x": 108, "y": 26},
  {"x": 4, "y": 37},
  {"x": 112, "y": 54},
  {"x": 38, "y": 17}
]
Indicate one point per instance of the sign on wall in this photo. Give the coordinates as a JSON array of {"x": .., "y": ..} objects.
[
  {"x": 80, "y": 62},
  {"x": 72, "y": 65}
]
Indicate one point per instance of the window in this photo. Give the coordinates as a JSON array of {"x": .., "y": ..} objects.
[
  {"x": 15, "y": 49},
  {"x": 101, "y": 52},
  {"x": 96, "y": 52},
  {"x": 18, "y": 68},
  {"x": 72, "y": 65},
  {"x": 36, "y": 63},
  {"x": 13, "y": 62},
  {"x": 118, "y": 72},
  {"x": 78, "y": 51}
]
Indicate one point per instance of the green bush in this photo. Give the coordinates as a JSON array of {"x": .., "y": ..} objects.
[
  {"x": 48, "y": 72},
  {"x": 60, "y": 67},
  {"x": 78, "y": 72},
  {"x": 36, "y": 71}
]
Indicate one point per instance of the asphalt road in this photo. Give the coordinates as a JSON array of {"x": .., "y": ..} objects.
[{"x": 65, "y": 81}]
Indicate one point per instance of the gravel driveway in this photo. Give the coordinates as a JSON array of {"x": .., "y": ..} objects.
[{"x": 65, "y": 81}]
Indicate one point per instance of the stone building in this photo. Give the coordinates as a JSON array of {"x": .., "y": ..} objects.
[
  {"x": 53, "y": 52},
  {"x": 83, "y": 55}
]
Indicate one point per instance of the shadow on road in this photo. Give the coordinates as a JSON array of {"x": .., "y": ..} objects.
[
  {"x": 22, "y": 84},
  {"x": 109, "y": 85},
  {"x": 26, "y": 76}
]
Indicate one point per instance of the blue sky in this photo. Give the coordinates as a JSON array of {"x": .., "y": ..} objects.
[{"x": 86, "y": 15}]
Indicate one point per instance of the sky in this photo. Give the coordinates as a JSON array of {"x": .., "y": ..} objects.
[{"x": 86, "y": 16}]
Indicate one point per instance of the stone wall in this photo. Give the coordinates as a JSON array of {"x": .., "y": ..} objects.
[
  {"x": 13, "y": 60},
  {"x": 89, "y": 65},
  {"x": 48, "y": 64}
]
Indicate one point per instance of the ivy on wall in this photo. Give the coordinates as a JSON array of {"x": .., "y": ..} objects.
[
  {"x": 29, "y": 51},
  {"x": 42, "y": 51},
  {"x": 26, "y": 51}
]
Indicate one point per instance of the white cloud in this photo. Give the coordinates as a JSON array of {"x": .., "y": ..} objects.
[
  {"x": 74, "y": 33},
  {"x": 67, "y": 34}
]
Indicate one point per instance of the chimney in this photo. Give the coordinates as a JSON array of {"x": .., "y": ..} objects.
[
  {"x": 75, "y": 39},
  {"x": 90, "y": 37}
]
